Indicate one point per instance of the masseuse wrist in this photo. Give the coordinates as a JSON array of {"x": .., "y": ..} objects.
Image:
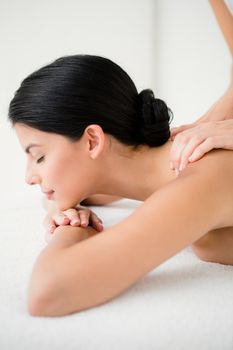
[
  {"x": 226, "y": 104},
  {"x": 221, "y": 110}
]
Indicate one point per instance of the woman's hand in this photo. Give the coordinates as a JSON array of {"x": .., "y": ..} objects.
[
  {"x": 191, "y": 142},
  {"x": 79, "y": 216}
]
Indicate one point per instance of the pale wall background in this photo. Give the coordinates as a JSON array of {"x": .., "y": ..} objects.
[{"x": 172, "y": 46}]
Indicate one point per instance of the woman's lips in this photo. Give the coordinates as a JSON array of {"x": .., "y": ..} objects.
[{"x": 49, "y": 194}]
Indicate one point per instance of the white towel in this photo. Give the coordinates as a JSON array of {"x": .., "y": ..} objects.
[{"x": 183, "y": 304}]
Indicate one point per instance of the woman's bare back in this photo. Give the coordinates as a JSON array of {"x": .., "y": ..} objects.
[{"x": 217, "y": 244}]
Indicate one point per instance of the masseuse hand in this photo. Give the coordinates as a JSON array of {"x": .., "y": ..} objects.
[
  {"x": 191, "y": 142},
  {"x": 79, "y": 216},
  {"x": 213, "y": 130}
]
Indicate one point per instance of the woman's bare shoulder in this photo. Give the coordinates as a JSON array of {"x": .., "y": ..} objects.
[
  {"x": 217, "y": 164},
  {"x": 219, "y": 159}
]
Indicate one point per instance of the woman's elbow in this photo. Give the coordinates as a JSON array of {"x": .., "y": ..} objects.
[
  {"x": 39, "y": 298},
  {"x": 50, "y": 299},
  {"x": 44, "y": 305},
  {"x": 42, "y": 293},
  {"x": 35, "y": 307}
]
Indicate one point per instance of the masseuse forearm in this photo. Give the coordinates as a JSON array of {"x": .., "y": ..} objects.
[
  {"x": 223, "y": 108},
  {"x": 228, "y": 102}
]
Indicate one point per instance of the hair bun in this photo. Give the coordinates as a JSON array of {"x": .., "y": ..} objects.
[{"x": 156, "y": 117}]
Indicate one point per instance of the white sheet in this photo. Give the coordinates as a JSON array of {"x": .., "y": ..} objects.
[{"x": 183, "y": 304}]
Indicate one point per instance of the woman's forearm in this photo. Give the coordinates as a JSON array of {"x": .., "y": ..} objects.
[{"x": 49, "y": 260}]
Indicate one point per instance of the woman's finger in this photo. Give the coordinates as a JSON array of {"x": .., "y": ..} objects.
[
  {"x": 73, "y": 215},
  {"x": 52, "y": 226},
  {"x": 61, "y": 219},
  {"x": 84, "y": 217},
  {"x": 49, "y": 224},
  {"x": 95, "y": 217},
  {"x": 96, "y": 222}
]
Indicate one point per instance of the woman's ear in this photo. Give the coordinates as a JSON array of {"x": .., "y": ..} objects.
[{"x": 94, "y": 139}]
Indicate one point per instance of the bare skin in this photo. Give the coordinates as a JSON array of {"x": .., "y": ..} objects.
[
  {"x": 177, "y": 211},
  {"x": 215, "y": 246}
]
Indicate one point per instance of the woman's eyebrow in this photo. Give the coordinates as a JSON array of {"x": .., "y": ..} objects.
[{"x": 27, "y": 149}]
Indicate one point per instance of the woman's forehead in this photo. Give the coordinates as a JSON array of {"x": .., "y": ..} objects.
[{"x": 31, "y": 137}]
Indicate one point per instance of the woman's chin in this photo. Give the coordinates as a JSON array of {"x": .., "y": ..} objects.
[{"x": 65, "y": 205}]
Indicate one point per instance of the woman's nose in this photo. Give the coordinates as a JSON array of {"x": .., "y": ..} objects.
[{"x": 32, "y": 179}]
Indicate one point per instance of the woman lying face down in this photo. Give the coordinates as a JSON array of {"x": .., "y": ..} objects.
[{"x": 86, "y": 130}]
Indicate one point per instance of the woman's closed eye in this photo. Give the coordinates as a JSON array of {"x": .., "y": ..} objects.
[{"x": 40, "y": 160}]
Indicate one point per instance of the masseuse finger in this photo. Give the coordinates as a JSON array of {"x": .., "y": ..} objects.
[
  {"x": 177, "y": 147},
  {"x": 205, "y": 147},
  {"x": 188, "y": 150},
  {"x": 176, "y": 130},
  {"x": 73, "y": 215}
]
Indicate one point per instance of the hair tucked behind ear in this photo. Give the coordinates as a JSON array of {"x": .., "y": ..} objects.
[{"x": 72, "y": 92}]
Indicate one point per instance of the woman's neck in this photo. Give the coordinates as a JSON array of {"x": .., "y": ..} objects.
[{"x": 136, "y": 174}]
